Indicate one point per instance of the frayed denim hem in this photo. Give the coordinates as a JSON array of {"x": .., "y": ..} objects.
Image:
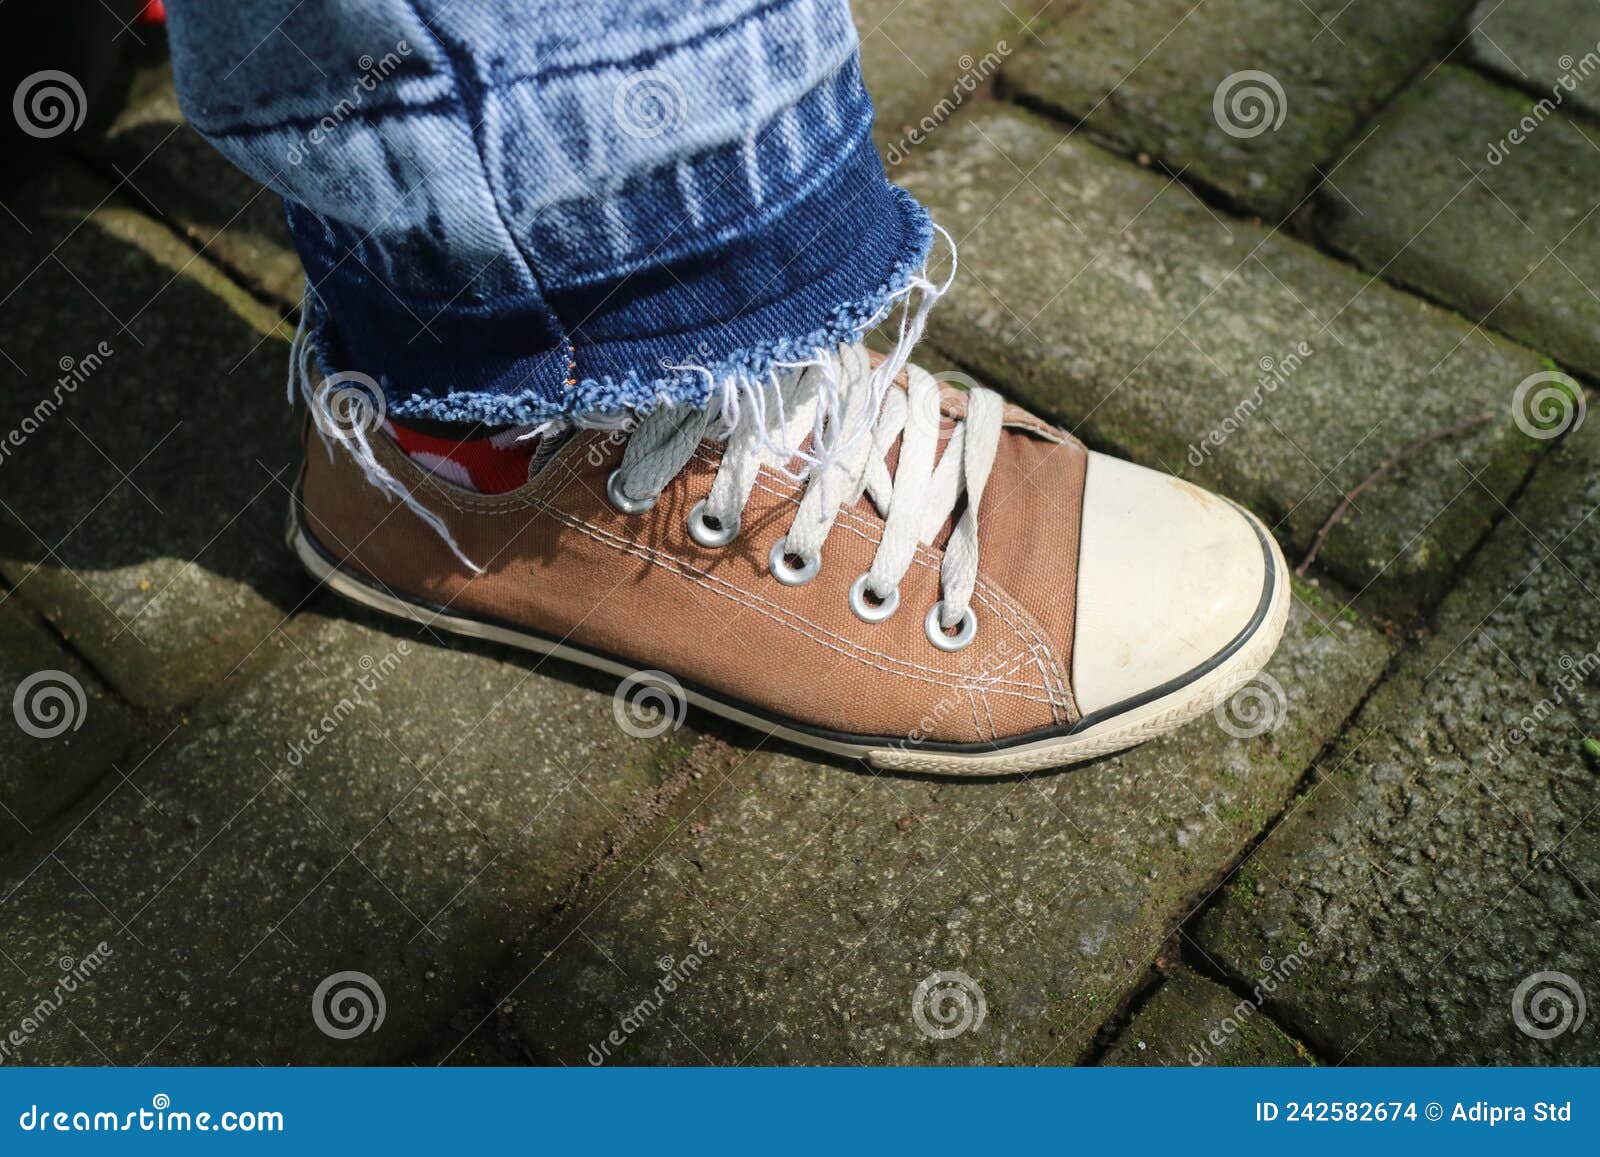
[
  {"x": 642, "y": 389},
  {"x": 350, "y": 406}
]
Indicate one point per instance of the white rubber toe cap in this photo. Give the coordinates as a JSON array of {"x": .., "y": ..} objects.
[{"x": 1169, "y": 576}]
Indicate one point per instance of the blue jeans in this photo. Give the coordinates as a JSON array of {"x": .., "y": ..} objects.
[{"x": 513, "y": 210}]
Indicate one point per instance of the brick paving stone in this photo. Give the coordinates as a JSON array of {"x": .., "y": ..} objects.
[
  {"x": 1147, "y": 74},
  {"x": 1193, "y": 1021},
  {"x": 1448, "y": 849},
  {"x": 1442, "y": 200},
  {"x": 925, "y": 59},
  {"x": 453, "y": 794},
  {"x": 146, "y": 444},
  {"x": 1119, "y": 304},
  {"x": 795, "y": 907},
  {"x": 175, "y": 176},
  {"x": 59, "y": 736},
  {"x": 1549, "y": 47}
]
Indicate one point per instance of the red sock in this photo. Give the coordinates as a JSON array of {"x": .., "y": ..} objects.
[{"x": 476, "y": 464}]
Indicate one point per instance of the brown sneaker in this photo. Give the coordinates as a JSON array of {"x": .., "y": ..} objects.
[{"x": 963, "y": 588}]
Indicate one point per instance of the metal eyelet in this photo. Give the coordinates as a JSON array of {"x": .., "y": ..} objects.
[
  {"x": 703, "y": 533},
  {"x": 621, "y": 501},
  {"x": 792, "y": 576},
  {"x": 867, "y": 612},
  {"x": 936, "y": 635}
]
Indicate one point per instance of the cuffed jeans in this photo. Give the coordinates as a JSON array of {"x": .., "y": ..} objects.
[{"x": 513, "y": 210}]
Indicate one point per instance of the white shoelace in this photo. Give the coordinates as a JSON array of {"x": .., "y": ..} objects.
[
  {"x": 835, "y": 396},
  {"x": 914, "y": 502}
]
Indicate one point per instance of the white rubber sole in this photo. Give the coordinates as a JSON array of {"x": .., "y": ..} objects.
[{"x": 1126, "y": 729}]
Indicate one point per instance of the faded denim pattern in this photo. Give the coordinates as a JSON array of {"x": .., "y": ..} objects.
[{"x": 514, "y": 209}]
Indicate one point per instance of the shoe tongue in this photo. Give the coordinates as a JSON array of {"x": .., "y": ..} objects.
[{"x": 545, "y": 444}]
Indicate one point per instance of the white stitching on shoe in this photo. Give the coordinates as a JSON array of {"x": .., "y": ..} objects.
[
  {"x": 782, "y": 616},
  {"x": 972, "y": 702},
  {"x": 542, "y": 492},
  {"x": 1054, "y": 682},
  {"x": 1024, "y": 655}
]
